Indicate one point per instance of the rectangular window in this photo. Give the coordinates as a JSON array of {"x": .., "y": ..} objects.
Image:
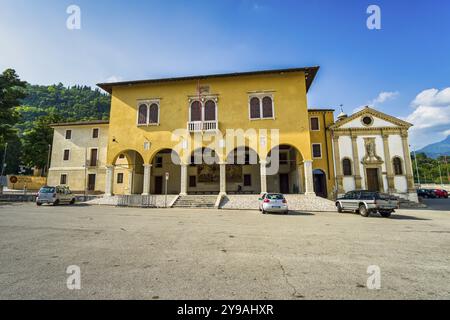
[
  {"x": 119, "y": 178},
  {"x": 315, "y": 124},
  {"x": 93, "y": 159},
  {"x": 317, "y": 150},
  {"x": 283, "y": 158},
  {"x": 192, "y": 181},
  {"x": 247, "y": 180},
  {"x": 63, "y": 179},
  {"x": 66, "y": 155},
  {"x": 68, "y": 134},
  {"x": 95, "y": 133},
  {"x": 159, "y": 162}
]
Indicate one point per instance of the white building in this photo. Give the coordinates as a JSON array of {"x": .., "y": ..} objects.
[{"x": 371, "y": 152}]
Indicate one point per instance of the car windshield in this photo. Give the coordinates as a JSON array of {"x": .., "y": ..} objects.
[
  {"x": 275, "y": 197},
  {"x": 47, "y": 190}
]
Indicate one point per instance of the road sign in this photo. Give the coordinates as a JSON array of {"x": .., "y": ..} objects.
[{"x": 13, "y": 179}]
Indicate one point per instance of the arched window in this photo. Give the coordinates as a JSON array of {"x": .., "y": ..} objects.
[
  {"x": 397, "y": 163},
  {"x": 347, "y": 167},
  {"x": 142, "y": 114},
  {"x": 210, "y": 110},
  {"x": 255, "y": 111},
  {"x": 154, "y": 114},
  {"x": 196, "y": 111},
  {"x": 267, "y": 107}
]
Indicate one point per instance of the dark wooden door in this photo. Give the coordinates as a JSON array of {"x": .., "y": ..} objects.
[
  {"x": 158, "y": 185},
  {"x": 372, "y": 179},
  {"x": 320, "y": 185},
  {"x": 284, "y": 183},
  {"x": 91, "y": 182}
]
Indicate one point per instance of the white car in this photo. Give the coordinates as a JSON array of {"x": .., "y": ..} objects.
[
  {"x": 273, "y": 202},
  {"x": 55, "y": 196}
]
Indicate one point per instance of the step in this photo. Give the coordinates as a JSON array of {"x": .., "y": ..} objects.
[{"x": 195, "y": 201}]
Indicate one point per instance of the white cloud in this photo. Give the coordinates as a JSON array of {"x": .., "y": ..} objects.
[
  {"x": 433, "y": 97},
  {"x": 431, "y": 117},
  {"x": 381, "y": 98}
]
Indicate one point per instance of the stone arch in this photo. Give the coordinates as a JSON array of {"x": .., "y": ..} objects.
[
  {"x": 128, "y": 172},
  {"x": 164, "y": 161},
  {"x": 243, "y": 171}
]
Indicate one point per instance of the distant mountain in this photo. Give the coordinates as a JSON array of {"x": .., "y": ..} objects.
[{"x": 437, "y": 149}]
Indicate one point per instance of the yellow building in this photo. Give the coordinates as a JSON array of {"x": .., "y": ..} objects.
[
  {"x": 270, "y": 109},
  {"x": 240, "y": 133}
]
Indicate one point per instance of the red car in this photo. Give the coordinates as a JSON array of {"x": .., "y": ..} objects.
[{"x": 440, "y": 193}]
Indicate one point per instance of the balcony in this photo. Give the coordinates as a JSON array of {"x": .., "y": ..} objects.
[{"x": 203, "y": 126}]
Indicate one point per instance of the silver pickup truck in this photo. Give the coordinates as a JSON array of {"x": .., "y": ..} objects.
[{"x": 366, "y": 202}]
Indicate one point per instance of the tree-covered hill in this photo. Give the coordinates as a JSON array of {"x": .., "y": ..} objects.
[{"x": 69, "y": 103}]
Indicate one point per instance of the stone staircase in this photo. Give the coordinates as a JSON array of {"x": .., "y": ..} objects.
[{"x": 195, "y": 201}]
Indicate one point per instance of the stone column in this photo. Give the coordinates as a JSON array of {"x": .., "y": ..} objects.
[
  {"x": 408, "y": 163},
  {"x": 263, "y": 168},
  {"x": 223, "y": 178},
  {"x": 309, "y": 185},
  {"x": 109, "y": 180},
  {"x": 130, "y": 181},
  {"x": 356, "y": 160},
  {"x": 147, "y": 179},
  {"x": 184, "y": 176},
  {"x": 388, "y": 163},
  {"x": 338, "y": 164},
  {"x": 300, "y": 177}
]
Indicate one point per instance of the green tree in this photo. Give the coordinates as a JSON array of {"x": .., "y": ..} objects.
[
  {"x": 37, "y": 139},
  {"x": 12, "y": 90}
]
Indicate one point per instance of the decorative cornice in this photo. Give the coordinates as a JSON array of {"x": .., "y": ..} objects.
[{"x": 373, "y": 112}]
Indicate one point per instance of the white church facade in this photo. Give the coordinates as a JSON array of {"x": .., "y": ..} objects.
[{"x": 371, "y": 152}]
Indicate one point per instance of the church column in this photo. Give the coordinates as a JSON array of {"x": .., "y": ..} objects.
[
  {"x": 263, "y": 176},
  {"x": 147, "y": 176},
  {"x": 408, "y": 163},
  {"x": 109, "y": 180},
  {"x": 183, "y": 184},
  {"x": 357, "y": 172},
  {"x": 388, "y": 162},
  {"x": 223, "y": 178},
  {"x": 309, "y": 184},
  {"x": 338, "y": 164}
]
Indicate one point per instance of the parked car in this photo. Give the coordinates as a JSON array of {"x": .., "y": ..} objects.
[
  {"x": 55, "y": 195},
  {"x": 440, "y": 193},
  {"x": 273, "y": 202},
  {"x": 366, "y": 202},
  {"x": 426, "y": 193}
]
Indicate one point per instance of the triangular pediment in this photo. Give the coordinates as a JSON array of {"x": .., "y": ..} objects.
[{"x": 370, "y": 118}]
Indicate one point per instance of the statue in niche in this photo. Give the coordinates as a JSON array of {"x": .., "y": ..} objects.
[{"x": 371, "y": 153}]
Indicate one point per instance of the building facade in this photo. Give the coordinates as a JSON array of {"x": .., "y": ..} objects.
[
  {"x": 79, "y": 154},
  {"x": 241, "y": 133},
  {"x": 371, "y": 152}
]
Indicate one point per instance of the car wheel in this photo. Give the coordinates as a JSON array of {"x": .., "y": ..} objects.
[
  {"x": 286, "y": 212},
  {"x": 385, "y": 214},
  {"x": 39, "y": 203},
  {"x": 72, "y": 201},
  {"x": 263, "y": 212},
  {"x": 56, "y": 202},
  {"x": 339, "y": 208},
  {"x": 363, "y": 211}
]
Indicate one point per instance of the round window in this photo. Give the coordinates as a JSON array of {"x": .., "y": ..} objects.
[{"x": 367, "y": 121}]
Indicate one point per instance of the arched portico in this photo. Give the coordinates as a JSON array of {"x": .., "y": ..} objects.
[
  {"x": 243, "y": 173},
  {"x": 165, "y": 161},
  {"x": 287, "y": 171}
]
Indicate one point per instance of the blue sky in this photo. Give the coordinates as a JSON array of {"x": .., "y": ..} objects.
[{"x": 402, "y": 69}]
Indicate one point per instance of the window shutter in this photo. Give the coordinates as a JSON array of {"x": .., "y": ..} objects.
[
  {"x": 267, "y": 107},
  {"x": 154, "y": 110},
  {"x": 142, "y": 119},
  {"x": 255, "y": 112},
  {"x": 196, "y": 111},
  {"x": 210, "y": 111}
]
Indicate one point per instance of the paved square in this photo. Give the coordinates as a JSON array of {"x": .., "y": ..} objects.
[{"x": 127, "y": 253}]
